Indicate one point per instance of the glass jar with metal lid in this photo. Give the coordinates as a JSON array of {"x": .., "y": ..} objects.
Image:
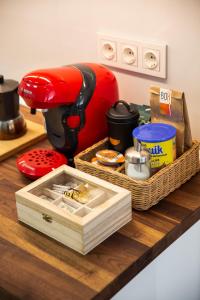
[{"x": 137, "y": 163}]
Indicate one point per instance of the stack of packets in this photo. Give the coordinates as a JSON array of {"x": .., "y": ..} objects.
[{"x": 79, "y": 192}]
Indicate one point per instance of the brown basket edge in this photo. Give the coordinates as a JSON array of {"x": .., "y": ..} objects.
[
  {"x": 162, "y": 172},
  {"x": 148, "y": 183}
]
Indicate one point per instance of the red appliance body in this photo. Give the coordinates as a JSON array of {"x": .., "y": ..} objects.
[{"x": 75, "y": 99}]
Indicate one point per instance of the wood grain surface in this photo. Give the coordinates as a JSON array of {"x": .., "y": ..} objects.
[
  {"x": 33, "y": 266},
  {"x": 35, "y": 132}
]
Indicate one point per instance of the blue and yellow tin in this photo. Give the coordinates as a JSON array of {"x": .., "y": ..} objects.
[{"x": 160, "y": 140}]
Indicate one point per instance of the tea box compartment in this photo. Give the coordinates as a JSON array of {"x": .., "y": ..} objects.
[{"x": 75, "y": 208}]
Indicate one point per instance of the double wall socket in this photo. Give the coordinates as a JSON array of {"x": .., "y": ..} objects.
[{"x": 136, "y": 56}]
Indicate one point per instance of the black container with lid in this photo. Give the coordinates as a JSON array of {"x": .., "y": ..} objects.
[
  {"x": 122, "y": 118},
  {"x": 12, "y": 124}
]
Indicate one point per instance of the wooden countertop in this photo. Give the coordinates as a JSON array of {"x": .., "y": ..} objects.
[{"x": 35, "y": 267}]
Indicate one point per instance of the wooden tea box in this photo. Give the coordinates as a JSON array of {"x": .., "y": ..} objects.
[{"x": 81, "y": 215}]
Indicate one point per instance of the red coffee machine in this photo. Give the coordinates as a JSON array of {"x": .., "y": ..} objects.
[{"x": 74, "y": 100}]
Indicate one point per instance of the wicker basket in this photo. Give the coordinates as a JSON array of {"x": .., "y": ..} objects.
[{"x": 149, "y": 192}]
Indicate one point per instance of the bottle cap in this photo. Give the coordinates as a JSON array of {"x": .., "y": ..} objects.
[{"x": 137, "y": 157}]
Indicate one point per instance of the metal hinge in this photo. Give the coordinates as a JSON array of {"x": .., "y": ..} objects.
[{"x": 47, "y": 218}]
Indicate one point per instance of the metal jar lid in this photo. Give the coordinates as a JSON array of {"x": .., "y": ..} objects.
[
  {"x": 123, "y": 112},
  {"x": 137, "y": 157}
]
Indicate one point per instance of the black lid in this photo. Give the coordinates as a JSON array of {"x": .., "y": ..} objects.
[
  {"x": 8, "y": 85},
  {"x": 1, "y": 79},
  {"x": 122, "y": 112}
]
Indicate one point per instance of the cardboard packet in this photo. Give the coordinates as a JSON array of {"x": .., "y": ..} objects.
[{"x": 169, "y": 106}]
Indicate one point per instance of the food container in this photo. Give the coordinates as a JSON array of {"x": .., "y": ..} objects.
[
  {"x": 38, "y": 162},
  {"x": 137, "y": 163},
  {"x": 80, "y": 225},
  {"x": 160, "y": 140},
  {"x": 122, "y": 118},
  {"x": 110, "y": 157}
]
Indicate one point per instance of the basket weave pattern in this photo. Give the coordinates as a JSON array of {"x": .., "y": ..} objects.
[{"x": 149, "y": 192}]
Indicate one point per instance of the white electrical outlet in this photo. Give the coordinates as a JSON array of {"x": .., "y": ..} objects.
[
  {"x": 107, "y": 50},
  {"x": 128, "y": 54},
  {"x": 136, "y": 56},
  {"x": 153, "y": 58}
]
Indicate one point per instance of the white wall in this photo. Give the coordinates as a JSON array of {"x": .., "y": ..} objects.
[{"x": 44, "y": 33}]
